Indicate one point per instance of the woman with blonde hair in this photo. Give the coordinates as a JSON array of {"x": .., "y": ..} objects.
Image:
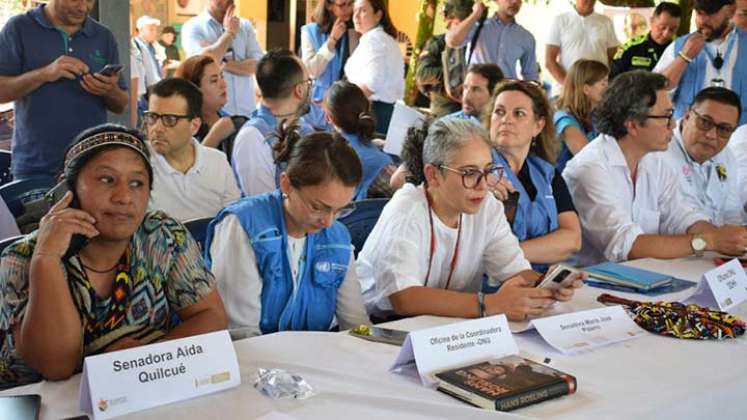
[
  {"x": 522, "y": 133},
  {"x": 585, "y": 83}
]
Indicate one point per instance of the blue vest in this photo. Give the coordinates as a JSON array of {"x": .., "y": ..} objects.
[
  {"x": 693, "y": 79},
  {"x": 533, "y": 218},
  {"x": 324, "y": 264},
  {"x": 373, "y": 161},
  {"x": 331, "y": 73},
  {"x": 267, "y": 124}
]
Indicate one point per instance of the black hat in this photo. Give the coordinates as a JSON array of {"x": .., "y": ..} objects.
[{"x": 711, "y": 7}]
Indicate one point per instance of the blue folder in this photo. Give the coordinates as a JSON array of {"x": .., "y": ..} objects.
[{"x": 631, "y": 277}]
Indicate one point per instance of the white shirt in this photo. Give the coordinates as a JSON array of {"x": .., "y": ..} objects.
[
  {"x": 207, "y": 187},
  {"x": 252, "y": 162},
  {"x": 201, "y": 31},
  {"x": 396, "y": 253},
  {"x": 613, "y": 212},
  {"x": 711, "y": 73},
  {"x": 378, "y": 64},
  {"x": 240, "y": 285},
  {"x": 136, "y": 68},
  {"x": 738, "y": 146},
  {"x": 580, "y": 37},
  {"x": 716, "y": 196},
  {"x": 147, "y": 64}
]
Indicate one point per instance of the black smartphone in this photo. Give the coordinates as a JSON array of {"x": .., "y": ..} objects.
[
  {"x": 111, "y": 69},
  {"x": 78, "y": 241},
  {"x": 509, "y": 206}
]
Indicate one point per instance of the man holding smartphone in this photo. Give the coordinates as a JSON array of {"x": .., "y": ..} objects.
[
  {"x": 230, "y": 40},
  {"x": 56, "y": 95}
]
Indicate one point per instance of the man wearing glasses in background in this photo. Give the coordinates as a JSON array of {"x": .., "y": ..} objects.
[
  {"x": 189, "y": 180},
  {"x": 707, "y": 170},
  {"x": 628, "y": 198}
]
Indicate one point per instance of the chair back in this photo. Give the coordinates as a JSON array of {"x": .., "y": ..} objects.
[
  {"x": 16, "y": 193},
  {"x": 5, "y": 174},
  {"x": 7, "y": 241},
  {"x": 198, "y": 229},
  {"x": 363, "y": 219}
]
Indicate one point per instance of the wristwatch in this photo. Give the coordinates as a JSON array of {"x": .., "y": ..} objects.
[{"x": 698, "y": 244}]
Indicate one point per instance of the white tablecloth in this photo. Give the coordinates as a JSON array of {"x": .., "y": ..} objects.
[{"x": 652, "y": 377}]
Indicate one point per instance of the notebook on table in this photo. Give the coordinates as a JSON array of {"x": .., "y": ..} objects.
[{"x": 629, "y": 277}]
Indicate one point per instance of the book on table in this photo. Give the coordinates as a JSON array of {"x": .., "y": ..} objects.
[
  {"x": 626, "y": 276},
  {"x": 505, "y": 384}
]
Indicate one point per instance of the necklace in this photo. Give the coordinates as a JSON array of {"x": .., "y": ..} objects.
[{"x": 95, "y": 270}]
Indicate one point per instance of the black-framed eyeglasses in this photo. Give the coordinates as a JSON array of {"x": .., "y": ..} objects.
[
  {"x": 705, "y": 124},
  {"x": 168, "y": 120},
  {"x": 471, "y": 178},
  {"x": 667, "y": 117}
]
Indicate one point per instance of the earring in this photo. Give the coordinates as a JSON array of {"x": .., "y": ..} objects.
[
  {"x": 284, "y": 195},
  {"x": 534, "y": 141}
]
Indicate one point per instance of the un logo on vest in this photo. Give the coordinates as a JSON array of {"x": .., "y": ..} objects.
[{"x": 323, "y": 266}]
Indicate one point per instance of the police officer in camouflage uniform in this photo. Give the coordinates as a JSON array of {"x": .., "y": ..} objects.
[{"x": 643, "y": 52}]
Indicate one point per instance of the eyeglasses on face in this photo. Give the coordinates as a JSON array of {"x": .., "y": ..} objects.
[
  {"x": 322, "y": 212},
  {"x": 471, "y": 177},
  {"x": 168, "y": 120},
  {"x": 705, "y": 124},
  {"x": 667, "y": 117}
]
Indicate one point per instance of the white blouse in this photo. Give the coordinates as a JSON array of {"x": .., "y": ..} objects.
[
  {"x": 397, "y": 252},
  {"x": 377, "y": 63}
]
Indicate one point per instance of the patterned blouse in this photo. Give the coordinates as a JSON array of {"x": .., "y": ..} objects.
[{"x": 161, "y": 273}]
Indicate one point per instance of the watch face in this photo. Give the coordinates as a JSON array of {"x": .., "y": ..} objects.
[{"x": 699, "y": 244}]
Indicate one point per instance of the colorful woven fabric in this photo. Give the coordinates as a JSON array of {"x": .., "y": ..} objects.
[{"x": 679, "y": 320}]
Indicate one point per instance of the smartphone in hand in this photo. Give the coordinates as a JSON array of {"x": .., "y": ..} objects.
[
  {"x": 78, "y": 241},
  {"x": 558, "y": 277},
  {"x": 111, "y": 69}
]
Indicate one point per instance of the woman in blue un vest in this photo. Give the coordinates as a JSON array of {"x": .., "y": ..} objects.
[
  {"x": 349, "y": 111},
  {"x": 280, "y": 258},
  {"x": 326, "y": 44},
  {"x": 521, "y": 129}
]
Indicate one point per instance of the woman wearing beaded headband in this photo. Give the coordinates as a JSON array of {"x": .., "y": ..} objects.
[{"x": 121, "y": 290}]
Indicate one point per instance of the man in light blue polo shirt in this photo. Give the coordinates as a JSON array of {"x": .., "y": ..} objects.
[
  {"x": 501, "y": 40},
  {"x": 708, "y": 173},
  {"x": 50, "y": 59},
  {"x": 232, "y": 41}
]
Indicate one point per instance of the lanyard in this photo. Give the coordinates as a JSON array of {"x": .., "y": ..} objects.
[
  {"x": 454, "y": 258},
  {"x": 718, "y": 62}
]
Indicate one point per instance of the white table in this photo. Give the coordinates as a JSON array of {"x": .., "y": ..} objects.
[{"x": 649, "y": 377}]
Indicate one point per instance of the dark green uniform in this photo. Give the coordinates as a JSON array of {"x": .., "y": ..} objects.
[{"x": 639, "y": 53}]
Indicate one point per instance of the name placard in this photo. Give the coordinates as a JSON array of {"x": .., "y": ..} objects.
[
  {"x": 586, "y": 330},
  {"x": 436, "y": 349},
  {"x": 117, "y": 383},
  {"x": 724, "y": 286}
]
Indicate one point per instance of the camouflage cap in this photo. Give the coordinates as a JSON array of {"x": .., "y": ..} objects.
[{"x": 458, "y": 8}]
